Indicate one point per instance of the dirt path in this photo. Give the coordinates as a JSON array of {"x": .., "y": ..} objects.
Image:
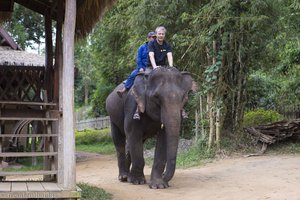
[{"x": 254, "y": 178}]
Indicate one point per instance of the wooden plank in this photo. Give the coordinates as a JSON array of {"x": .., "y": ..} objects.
[
  {"x": 5, "y": 186},
  {"x": 18, "y": 186},
  {"x": 28, "y": 103},
  {"x": 51, "y": 186},
  {"x": 67, "y": 163},
  {"x": 29, "y": 113},
  {"x": 35, "y": 186},
  {"x": 26, "y": 173},
  {"x": 27, "y": 154},
  {"x": 28, "y": 118},
  {"x": 27, "y": 135}
]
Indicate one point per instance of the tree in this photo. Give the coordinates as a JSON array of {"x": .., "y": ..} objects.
[
  {"x": 26, "y": 27},
  {"x": 221, "y": 43}
]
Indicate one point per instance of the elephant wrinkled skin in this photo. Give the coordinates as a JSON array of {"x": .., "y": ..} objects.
[{"x": 160, "y": 97}]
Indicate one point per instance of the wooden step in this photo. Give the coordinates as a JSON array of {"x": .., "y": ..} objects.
[
  {"x": 29, "y": 190},
  {"x": 27, "y": 154},
  {"x": 27, "y": 135},
  {"x": 27, "y": 173},
  {"x": 28, "y": 103}
]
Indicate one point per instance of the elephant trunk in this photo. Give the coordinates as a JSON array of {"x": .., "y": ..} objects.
[{"x": 172, "y": 128}]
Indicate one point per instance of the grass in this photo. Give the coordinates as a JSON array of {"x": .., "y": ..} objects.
[
  {"x": 90, "y": 192},
  {"x": 95, "y": 141},
  {"x": 102, "y": 148},
  {"x": 288, "y": 146}
]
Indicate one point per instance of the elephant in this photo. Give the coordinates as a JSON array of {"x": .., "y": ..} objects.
[{"x": 160, "y": 97}]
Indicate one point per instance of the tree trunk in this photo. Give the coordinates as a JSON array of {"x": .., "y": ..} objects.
[{"x": 211, "y": 137}]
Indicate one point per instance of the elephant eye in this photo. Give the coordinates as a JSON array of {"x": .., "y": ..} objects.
[
  {"x": 156, "y": 98},
  {"x": 185, "y": 98}
]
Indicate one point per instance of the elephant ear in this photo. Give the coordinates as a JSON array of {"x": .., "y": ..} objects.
[
  {"x": 139, "y": 91},
  {"x": 188, "y": 82}
]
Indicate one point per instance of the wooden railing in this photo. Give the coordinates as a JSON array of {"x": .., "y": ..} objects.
[{"x": 96, "y": 123}]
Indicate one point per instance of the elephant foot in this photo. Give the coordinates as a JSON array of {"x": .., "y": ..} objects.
[
  {"x": 123, "y": 177},
  {"x": 158, "y": 184},
  {"x": 136, "y": 180}
]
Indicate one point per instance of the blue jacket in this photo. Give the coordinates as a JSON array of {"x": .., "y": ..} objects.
[{"x": 142, "y": 56}]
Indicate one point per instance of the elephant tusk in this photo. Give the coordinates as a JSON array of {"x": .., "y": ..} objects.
[{"x": 162, "y": 126}]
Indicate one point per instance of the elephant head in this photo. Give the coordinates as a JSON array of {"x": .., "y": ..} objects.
[{"x": 161, "y": 95}]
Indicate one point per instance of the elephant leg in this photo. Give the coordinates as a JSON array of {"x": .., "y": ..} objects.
[
  {"x": 159, "y": 164},
  {"x": 119, "y": 140},
  {"x": 136, "y": 175},
  {"x": 127, "y": 157}
]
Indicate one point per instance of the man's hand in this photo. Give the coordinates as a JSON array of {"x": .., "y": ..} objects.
[{"x": 141, "y": 70}]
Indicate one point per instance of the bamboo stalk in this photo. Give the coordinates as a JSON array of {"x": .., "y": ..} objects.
[
  {"x": 201, "y": 115},
  {"x": 211, "y": 119},
  {"x": 196, "y": 125},
  {"x": 218, "y": 132}
]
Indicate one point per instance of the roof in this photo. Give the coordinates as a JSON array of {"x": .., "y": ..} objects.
[
  {"x": 11, "y": 54},
  {"x": 88, "y": 11},
  {"x": 12, "y": 57},
  {"x": 6, "y": 40}
]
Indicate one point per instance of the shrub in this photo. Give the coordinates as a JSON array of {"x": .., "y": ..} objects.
[
  {"x": 90, "y": 136},
  {"x": 260, "y": 116}
]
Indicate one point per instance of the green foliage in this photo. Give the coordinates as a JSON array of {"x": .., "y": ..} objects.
[
  {"x": 261, "y": 91},
  {"x": 26, "y": 27},
  {"x": 90, "y": 192},
  {"x": 90, "y": 136},
  {"x": 260, "y": 116},
  {"x": 256, "y": 41}
]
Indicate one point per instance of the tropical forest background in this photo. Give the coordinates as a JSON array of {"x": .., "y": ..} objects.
[{"x": 244, "y": 55}]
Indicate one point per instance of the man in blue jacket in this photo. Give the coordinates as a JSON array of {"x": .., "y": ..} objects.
[{"x": 142, "y": 63}]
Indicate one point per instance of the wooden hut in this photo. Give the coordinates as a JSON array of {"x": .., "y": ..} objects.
[{"x": 43, "y": 93}]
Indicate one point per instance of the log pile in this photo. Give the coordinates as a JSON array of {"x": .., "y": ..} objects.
[{"x": 271, "y": 133}]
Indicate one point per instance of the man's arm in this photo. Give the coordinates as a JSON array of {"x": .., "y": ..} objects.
[
  {"x": 170, "y": 59},
  {"x": 152, "y": 59}
]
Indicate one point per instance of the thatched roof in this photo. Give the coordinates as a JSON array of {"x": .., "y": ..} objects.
[
  {"x": 88, "y": 11},
  {"x": 12, "y": 57},
  {"x": 11, "y": 54}
]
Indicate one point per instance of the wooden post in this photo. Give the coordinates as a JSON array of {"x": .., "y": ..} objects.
[
  {"x": 49, "y": 54},
  {"x": 48, "y": 80},
  {"x": 57, "y": 74},
  {"x": 67, "y": 164}
]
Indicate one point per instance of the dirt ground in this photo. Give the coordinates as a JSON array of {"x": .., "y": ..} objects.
[{"x": 255, "y": 178}]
